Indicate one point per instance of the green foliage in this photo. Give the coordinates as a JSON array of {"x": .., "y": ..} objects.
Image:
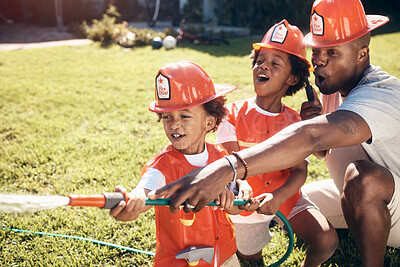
[
  {"x": 108, "y": 31},
  {"x": 195, "y": 29},
  {"x": 170, "y": 31},
  {"x": 140, "y": 37},
  {"x": 192, "y": 11},
  {"x": 75, "y": 121},
  {"x": 260, "y": 15}
]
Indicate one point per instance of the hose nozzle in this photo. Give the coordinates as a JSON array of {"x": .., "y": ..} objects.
[{"x": 104, "y": 200}]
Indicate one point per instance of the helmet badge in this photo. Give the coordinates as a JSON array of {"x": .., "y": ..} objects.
[
  {"x": 163, "y": 87},
  {"x": 279, "y": 34},
  {"x": 317, "y": 24}
]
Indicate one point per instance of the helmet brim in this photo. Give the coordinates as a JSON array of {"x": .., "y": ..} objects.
[
  {"x": 373, "y": 22},
  {"x": 220, "y": 90}
]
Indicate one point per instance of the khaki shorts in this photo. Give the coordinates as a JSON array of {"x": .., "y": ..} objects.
[
  {"x": 231, "y": 262},
  {"x": 252, "y": 232},
  {"x": 327, "y": 197}
]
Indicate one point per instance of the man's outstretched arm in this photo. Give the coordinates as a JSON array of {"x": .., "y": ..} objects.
[{"x": 284, "y": 150}]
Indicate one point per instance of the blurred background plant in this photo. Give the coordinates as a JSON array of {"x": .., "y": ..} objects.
[{"x": 110, "y": 30}]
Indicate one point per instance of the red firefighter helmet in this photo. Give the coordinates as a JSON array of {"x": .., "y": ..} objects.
[
  {"x": 183, "y": 85},
  {"x": 285, "y": 37},
  {"x": 335, "y": 22}
]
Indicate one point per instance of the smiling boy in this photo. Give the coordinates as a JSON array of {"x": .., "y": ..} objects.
[{"x": 189, "y": 106}]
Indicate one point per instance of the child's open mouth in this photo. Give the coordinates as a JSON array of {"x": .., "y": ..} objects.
[
  {"x": 177, "y": 136},
  {"x": 262, "y": 78}
]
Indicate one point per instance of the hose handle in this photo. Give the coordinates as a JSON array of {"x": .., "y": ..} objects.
[
  {"x": 309, "y": 91},
  {"x": 167, "y": 201},
  {"x": 111, "y": 200}
]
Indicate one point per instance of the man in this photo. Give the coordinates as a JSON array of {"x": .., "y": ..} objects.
[{"x": 369, "y": 116}]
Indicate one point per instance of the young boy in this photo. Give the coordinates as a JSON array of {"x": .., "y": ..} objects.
[
  {"x": 190, "y": 106},
  {"x": 280, "y": 68}
]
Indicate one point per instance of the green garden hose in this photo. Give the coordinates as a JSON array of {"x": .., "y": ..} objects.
[
  {"x": 84, "y": 239},
  {"x": 165, "y": 202}
]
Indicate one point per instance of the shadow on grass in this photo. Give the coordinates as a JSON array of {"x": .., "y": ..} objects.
[
  {"x": 106, "y": 44},
  {"x": 346, "y": 254},
  {"x": 238, "y": 47}
]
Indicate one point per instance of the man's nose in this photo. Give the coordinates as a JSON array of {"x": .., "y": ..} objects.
[{"x": 319, "y": 60}]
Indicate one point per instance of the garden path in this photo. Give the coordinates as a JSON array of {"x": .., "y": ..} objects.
[{"x": 17, "y": 36}]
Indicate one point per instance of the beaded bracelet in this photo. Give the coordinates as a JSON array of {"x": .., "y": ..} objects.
[
  {"x": 233, "y": 168},
  {"x": 246, "y": 168}
]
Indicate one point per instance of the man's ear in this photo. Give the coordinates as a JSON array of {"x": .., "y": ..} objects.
[
  {"x": 211, "y": 121},
  {"x": 363, "y": 54},
  {"x": 293, "y": 80}
]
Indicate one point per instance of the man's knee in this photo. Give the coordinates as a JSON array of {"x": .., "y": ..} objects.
[{"x": 367, "y": 181}]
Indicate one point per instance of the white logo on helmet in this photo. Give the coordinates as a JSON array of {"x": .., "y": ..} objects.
[
  {"x": 317, "y": 24},
  {"x": 279, "y": 34},
  {"x": 376, "y": 21},
  {"x": 163, "y": 87}
]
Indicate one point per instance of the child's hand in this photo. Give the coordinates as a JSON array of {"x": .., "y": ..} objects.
[
  {"x": 245, "y": 190},
  {"x": 225, "y": 199},
  {"x": 251, "y": 206},
  {"x": 129, "y": 211},
  {"x": 312, "y": 109},
  {"x": 269, "y": 205}
]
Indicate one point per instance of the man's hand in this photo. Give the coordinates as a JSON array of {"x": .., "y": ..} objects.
[{"x": 198, "y": 187}]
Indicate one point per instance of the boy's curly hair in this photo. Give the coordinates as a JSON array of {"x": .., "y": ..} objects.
[
  {"x": 300, "y": 68},
  {"x": 215, "y": 107}
]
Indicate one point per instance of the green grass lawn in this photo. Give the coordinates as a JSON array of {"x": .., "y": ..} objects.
[{"x": 75, "y": 120}]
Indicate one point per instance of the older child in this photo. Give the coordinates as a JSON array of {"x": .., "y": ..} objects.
[
  {"x": 280, "y": 68},
  {"x": 190, "y": 106}
]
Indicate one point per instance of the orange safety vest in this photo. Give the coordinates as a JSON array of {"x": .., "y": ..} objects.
[
  {"x": 253, "y": 127},
  {"x": 178, "y": 231}
]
